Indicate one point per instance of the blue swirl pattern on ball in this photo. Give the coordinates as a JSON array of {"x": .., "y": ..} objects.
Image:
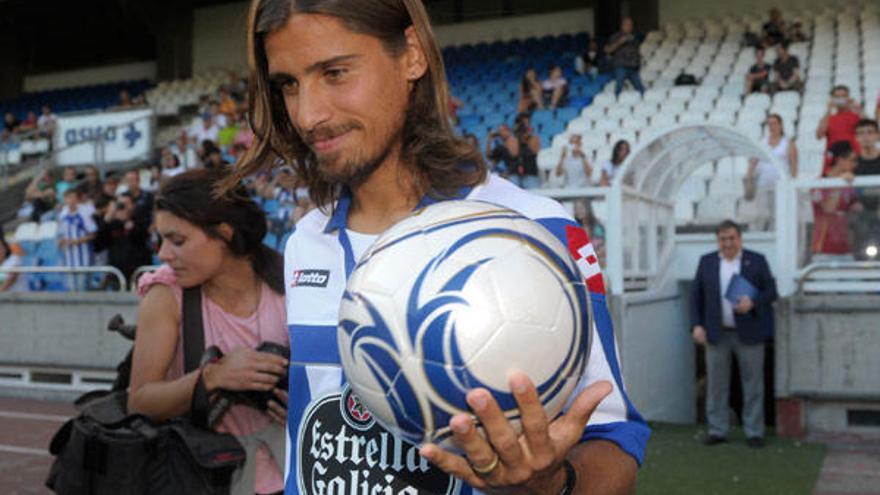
[{"x": 432, "y": 332}]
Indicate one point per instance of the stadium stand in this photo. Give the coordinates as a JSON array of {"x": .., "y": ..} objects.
[{"x": 75, "y": 99}]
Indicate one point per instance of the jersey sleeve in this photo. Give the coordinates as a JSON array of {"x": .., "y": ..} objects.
[{"x": 615, "y": 419}]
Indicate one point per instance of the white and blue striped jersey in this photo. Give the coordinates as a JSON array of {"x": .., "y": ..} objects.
[
  {"x": 333, "y": 447},
  {"x": 74, "y": 226}
]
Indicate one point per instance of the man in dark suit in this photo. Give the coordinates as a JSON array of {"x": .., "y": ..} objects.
[{"x": 727, "y": 328}]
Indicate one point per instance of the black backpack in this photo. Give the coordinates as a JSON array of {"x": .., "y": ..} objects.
[{"x": 107, "y": 451}]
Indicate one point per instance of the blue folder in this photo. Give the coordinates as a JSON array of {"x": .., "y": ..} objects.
[{"x": 739, "y": 287}]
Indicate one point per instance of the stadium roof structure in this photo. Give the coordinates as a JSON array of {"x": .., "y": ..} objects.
[{"x": 659, "y": 167}]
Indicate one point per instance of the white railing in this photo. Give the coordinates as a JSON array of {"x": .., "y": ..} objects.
[{"x": 70, "y": 270}]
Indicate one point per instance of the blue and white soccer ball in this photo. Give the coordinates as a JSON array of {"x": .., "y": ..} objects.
[{"x": 460, "y": 295}]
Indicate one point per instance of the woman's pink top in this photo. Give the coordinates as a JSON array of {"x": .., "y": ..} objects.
[{"x": 229, "y": 332}]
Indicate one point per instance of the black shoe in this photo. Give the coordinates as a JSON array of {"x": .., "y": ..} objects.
[
  {"x": 714, "y": 440},
  {"x": 755, "y": 442}
]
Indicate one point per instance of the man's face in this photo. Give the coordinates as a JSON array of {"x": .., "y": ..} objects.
[
  {"x": 627, "y": 26},
  {"x": 867, "y": 137},
  {"x": 729, "y": 243},
  {"x": 133, "y": 181},
  {"x": 759, "y": 56},
  {"x": 840, "y": 97},
  {"x": 346, "y": 96},
  {"x": 847, "y": 163}
]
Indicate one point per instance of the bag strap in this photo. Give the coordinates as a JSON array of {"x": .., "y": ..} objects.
[
  {"x": 193, "y": 329},
  {"x": 193, "y": 349}
]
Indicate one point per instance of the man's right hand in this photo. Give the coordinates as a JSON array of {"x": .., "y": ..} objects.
[{"x": 699, "y": 334}]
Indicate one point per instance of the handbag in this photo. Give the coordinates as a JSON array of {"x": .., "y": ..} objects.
[{"x": 106, "y": 450}]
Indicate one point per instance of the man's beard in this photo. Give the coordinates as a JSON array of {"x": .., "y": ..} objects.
[{"x": 356, "y": 170}]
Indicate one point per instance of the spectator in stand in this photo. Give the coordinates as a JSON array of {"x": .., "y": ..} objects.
[
  {"x": 10, "y": 124},
  {"x": 758, "y": 78},
  {"x": 76, "y": 231},
  {"x": 455, "y": 104},
  {"x": 214, "y": 158},
  {"x": 867, "y": 225},
  {"x": 226, "y": 136},
  {"x": 142, "y": 200},
  {"x": 91, "y": 184},
  {"x": 47, "y": 122},
  {"x": 762, "y": 175},
  {"x": 573, "y": 164},
  {"x": 554, "y": 90},
  {"x": 623, "y": 47},
  {"x": 471, "y": 140},
  {"x": 774, "y": 29},
  {"x": 68, "y": 181},
  {"x": 227, "y": 104},
  {"x": 237, "y": 86},
  {"x": 526, "y": 173},
  {"x": 29, "y": 124},
  {"x": 587, "y": 63},
  {"x": 171, "y": 164},
  {"x": 40, "y": 195},
  {"x": 867, "y": 135},
  {"x": 125, "y": 100},
  {"x": 245, "y": 136},
  {"x": 155, "y": 179},
  {"x": 610, "y": 168},
  {"x": 180, "y": 147},
  {"x": 530, "y": 92},
  {"x": 125, "y": 236},
  {"x": 10, "y": 257},
  {"x": 109, "y": 188},
  {"x": 502, "y": 150},
  {"x": 796, "y": 33},
  {"x": 832, "y": 207},
  {"x": 219, "y": 117},
  {"x": 282, "y": 189},
  {"x": 584, "y": 215},
  {"x": 786, "y": 70},
  {"x": 208, "y": 131},
  {"x": 840, "y": 121}
]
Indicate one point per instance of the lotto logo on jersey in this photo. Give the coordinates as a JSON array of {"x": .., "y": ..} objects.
[
  {"x": 584, "y": 255},
  {"x": 310, "y": 278}
]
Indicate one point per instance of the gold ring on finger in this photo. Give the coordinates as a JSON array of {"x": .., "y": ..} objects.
[{"x": 488, "y": 468}]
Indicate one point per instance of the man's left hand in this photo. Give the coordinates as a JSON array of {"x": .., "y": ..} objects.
[
  {"x": 744, "y": 305},
  {"x": 529, "y": 463}
]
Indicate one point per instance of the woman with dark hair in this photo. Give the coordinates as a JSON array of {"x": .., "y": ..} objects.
[
  {"x": 611, "y": 167},
  {"x": 10, "y": 282},
  {"x": 530, "y": 92},
  {"x": 215, "y": 243}
]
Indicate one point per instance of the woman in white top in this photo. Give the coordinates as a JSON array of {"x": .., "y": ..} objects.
[
  {"x": 783, "y": 149},
  {"x": 610, "y": 168},
  {"x": 762, "y": 174},
  {"x": 573, "y": 164},
  {"x": 11, "y": 282}
]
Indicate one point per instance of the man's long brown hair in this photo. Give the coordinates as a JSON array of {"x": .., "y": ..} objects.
[{"x": 443, "y": 163}]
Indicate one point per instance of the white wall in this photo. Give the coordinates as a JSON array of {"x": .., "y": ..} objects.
[
  {"x": 675, "y": 10},
  {"x": 219, "y": 32},
  {"x": 94, "y": 75},
  {"x": 219, "y": 35}
]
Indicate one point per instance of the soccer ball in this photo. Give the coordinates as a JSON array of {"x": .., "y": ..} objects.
[{"x": 455, "y": 297}]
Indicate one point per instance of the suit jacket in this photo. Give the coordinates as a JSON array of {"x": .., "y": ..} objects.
[{"x": 753, "y": 327}]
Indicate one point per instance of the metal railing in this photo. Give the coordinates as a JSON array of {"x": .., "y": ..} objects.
[
  {"x": 71, "y": 270},
  {"x": 842, "y": 266}
]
